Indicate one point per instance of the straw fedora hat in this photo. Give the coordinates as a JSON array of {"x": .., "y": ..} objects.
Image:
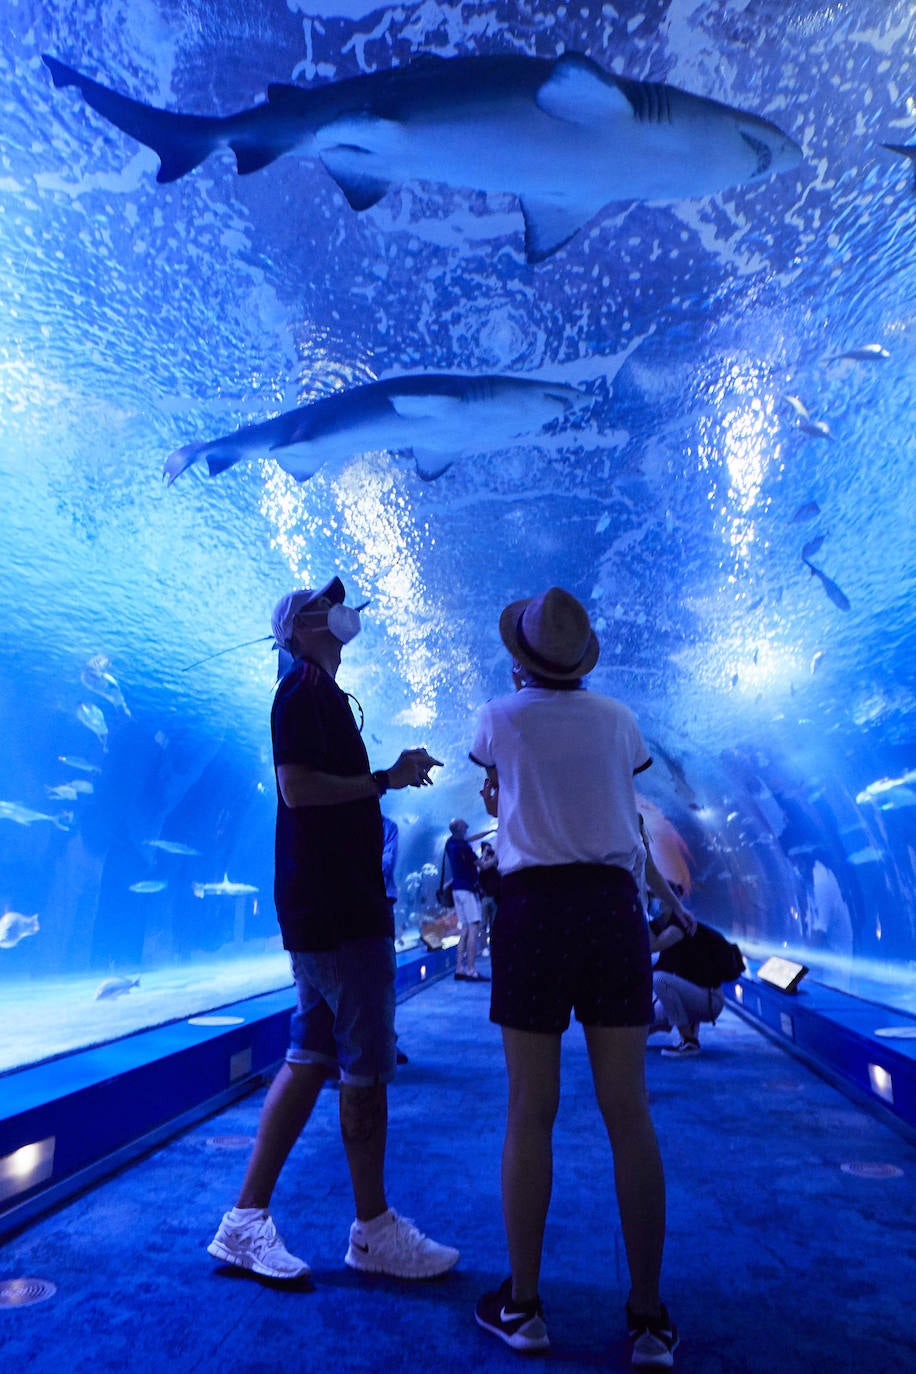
[{"x": 551, "y": 634}]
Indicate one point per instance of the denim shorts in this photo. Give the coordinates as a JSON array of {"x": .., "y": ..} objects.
[
  {"x": 345, "y": 1012},
  {"x": 570, "y": 937}
]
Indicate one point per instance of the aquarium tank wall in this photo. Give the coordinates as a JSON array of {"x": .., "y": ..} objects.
[{"x": 464, "y": 301}]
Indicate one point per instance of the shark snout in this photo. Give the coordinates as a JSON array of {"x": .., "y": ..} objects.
[{"x": 774, "y": 150}]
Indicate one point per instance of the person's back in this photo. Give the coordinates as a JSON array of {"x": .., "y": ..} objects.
[
  {"x": 565, "y": 777},
  {"x": 570, "y": 936}
]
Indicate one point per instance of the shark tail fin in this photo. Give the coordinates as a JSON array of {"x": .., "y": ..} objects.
[
  {"x": 181, "y": 142},
  {"x": 182, "y": 458}
]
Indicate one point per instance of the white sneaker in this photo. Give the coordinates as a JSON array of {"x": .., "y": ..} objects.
[
  {"x": 253, "y": 1242},
  {"x": 393, "y": 1245}
]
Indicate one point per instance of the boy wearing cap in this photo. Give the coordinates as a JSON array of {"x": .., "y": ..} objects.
[{"x": 336, "y": 923}]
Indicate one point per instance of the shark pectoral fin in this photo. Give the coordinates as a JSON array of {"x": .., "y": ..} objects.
[
  {"x": 548, "y": 225},
  {"x": 424, "y": 405},
  {"x": 578, "y": 91},
  {"x": 431, "y": 465},
  {"x": 361, "y": 189}
]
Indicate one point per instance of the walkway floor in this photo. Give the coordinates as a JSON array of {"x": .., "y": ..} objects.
[{"x": 791, "y": 1249}]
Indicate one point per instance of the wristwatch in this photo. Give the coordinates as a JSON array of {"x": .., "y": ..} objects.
[{"x": 380, "y": 779}]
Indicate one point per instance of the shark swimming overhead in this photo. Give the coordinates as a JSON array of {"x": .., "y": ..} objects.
[
  {"x": 564, "y": 136},
  {"x": 436, "y": 418}
]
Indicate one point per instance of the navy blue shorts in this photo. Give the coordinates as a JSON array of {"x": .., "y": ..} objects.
[{"x": 570, "y": 937}]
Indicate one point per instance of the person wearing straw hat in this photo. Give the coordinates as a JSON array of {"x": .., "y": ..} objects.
[{"x": 570, "y": 935}]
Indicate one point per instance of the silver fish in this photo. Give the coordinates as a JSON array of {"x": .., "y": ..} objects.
[
  {"x": 92, "y": 718},
  {"x": 115, "y": 987},
  {"x": 74, "y": 761},
  {"x": 96, "y": 677},
  {"x": 872, "y": 352},
  {"x": 437, "y": 418},
  {"x": 172, "y": 847},
  {"x": 23, "y": 815},
  {"x": 224, "y": 888},
  {"x": 564, "y": 136},
  {"x": 15, "y": 927},
  {"x": 869, "y": 855},
  {"x": 148, "y": 885},
  {"x": 815, "y": 429}
]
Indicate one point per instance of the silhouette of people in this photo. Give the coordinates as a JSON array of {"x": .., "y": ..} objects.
[
  {"x": 570, "y": 935},
  {"x": 335, "y": 920}
]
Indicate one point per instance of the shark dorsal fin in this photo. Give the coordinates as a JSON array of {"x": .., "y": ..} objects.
[{"x": 578, "y": 91}]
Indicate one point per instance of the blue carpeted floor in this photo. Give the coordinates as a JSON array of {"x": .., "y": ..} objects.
[{"x": 778, "y": 1261}]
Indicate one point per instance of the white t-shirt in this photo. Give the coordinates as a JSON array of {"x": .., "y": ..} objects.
[{"x": 565, "y": 762}]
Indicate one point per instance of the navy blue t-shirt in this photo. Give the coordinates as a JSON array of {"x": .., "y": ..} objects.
[
  {"x": 328, "y": 884},
  {"x": 463, "y": 865}
]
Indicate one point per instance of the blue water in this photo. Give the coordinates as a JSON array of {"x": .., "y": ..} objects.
[{"x": 135, "y": 318}]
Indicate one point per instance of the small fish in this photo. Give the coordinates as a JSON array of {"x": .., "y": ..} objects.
[
  {"x": 222, "y": 889},
  {"x": 69, "y": 791},
  {"x": 816, "y": 661},
  {"x": 735, "y": 679},
  {"x": 162, "y": 739},
  {"x": 115, "y": 987},
  {"x": 869, "y": 855},
  {"x": 798, "y": 405},
  {"x": 15, "y": 927},
  {"x": 881, "y": 786},
  {"x": 74, "y": 761},
  {"x": 92, "y": 718},
  {"x": 812, "y": 547},
  {"x": 806, "y": 512},
  {"x": 732, "y": 816},
  {"x": 98, "y": 679},
  {"x": 172, "y": 847},
  {"x": 23, "y": 815},
  {"x": 817, "y": 429},
  {"x": 867, "y": 353},
  {"x": 148, "y": 885},
  {"x": 836, "y": 595}
]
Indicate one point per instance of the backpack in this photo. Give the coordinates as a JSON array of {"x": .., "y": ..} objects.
[{"x": 705, "y": 958}]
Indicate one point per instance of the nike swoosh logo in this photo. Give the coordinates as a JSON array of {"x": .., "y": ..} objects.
[{"x": 506, "y": 1316}]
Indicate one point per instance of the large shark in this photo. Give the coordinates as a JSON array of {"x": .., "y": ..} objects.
[
  {"x": 436, "y": 418},
  {"x": 563, "y": 135}
]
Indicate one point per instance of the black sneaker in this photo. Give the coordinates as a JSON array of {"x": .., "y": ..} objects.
[
  {"x": 654, "y": 1339},
  {"x": 520, "y": 1325}
]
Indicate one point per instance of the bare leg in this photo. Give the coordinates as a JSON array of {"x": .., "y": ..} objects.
[
  {"x": 617, "y": 1056},
  {"x": 364, "y": 1130},
  {"x": 286, "y": 1109},
  {"x": 470, "y": 954},
  {"x": 533, "y": 1063},
  {"x": 461, "y": 962}
]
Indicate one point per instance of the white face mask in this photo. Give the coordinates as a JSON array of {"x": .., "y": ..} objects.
[{"x": 343, "y": 622}]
